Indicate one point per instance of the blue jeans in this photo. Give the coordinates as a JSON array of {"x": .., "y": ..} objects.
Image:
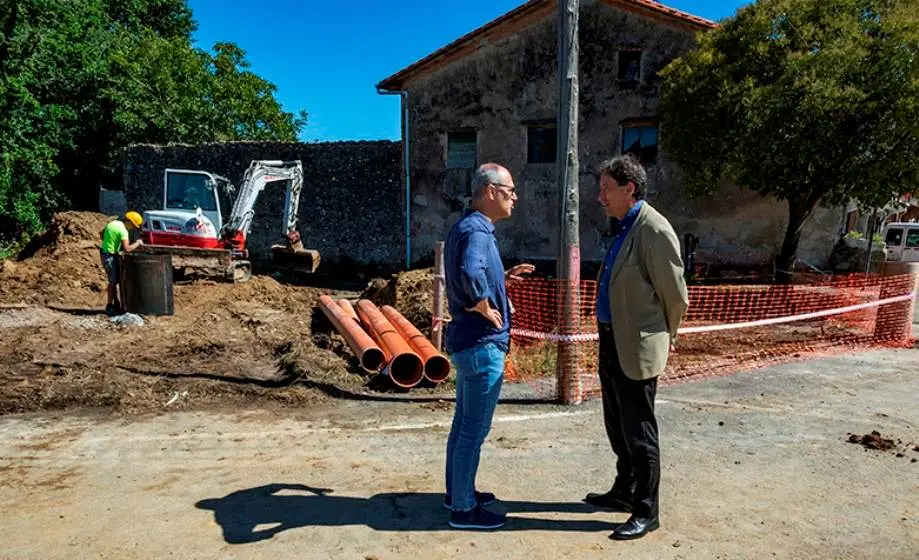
[{"x": 479, "y": 373}]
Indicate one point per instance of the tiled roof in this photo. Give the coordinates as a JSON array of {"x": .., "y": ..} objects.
[{"x": 524, "y": 16}]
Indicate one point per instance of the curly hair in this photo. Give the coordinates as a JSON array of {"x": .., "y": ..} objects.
[{"x": 624, "y": 169}]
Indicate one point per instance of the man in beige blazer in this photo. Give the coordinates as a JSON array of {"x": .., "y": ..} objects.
[{"x": 641, "y": 299}]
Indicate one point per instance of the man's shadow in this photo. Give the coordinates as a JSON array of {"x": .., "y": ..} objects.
[{"x": 241, "y": 513}]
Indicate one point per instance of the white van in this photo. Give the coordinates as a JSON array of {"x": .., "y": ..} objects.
[{"x": 902, "y": 241}]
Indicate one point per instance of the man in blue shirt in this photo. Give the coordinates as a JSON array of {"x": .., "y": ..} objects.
[{"x": 477, "y": 339}]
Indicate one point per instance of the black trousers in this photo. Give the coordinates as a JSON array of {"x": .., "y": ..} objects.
[{"x": 628, "y": 412}]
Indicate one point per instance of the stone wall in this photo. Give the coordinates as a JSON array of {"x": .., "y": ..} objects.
[
  {"x": 112, "y": 203},
  {"x": 351, "y": 206},
  {"x": 505, "y": 86}
]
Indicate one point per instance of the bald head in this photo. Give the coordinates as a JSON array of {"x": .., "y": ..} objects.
[
  {"x": 493, "y": 191},
  {"x": 488, "y": 174}
]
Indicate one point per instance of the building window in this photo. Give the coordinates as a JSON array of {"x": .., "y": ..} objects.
[
  {"x": 852, "y": 221},
  {"x": 640, "y": 139},
  {"x": 542, "y": 144},
  {"x": 629, "y": 66},
  {"x": 461, "y": 149}
]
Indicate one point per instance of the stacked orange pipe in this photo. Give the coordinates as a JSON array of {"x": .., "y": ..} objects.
[
  {"x": 368, "y": 353},
  {"x": 436, "y": 365},
  {"x": 349, "y": 309},
  {"x": 406, "y": 368}
]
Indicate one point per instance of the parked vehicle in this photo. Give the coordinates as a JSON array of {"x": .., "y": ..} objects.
[{"x": 902, "y": 241}]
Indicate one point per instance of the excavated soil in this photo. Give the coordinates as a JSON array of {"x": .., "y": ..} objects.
[
  {"x": 227, "y": 344},
  {"x": 411, "y": 292},
  {"x": 874, "y": 440},
  {"x": 60, "y": 266}
]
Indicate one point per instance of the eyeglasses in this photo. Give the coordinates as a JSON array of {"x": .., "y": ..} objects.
[{"x": 511, "y": 189}]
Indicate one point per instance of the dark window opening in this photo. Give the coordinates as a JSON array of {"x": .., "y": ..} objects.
[
  {"x": 629, "y": 66},
  {"x": 852, "y": 220},
  {"x": 894, "y": 237},
  {"x": 461, "y": 150},
  {"x": 542, "y": 144},
  {"x": 640, "y": 140}
]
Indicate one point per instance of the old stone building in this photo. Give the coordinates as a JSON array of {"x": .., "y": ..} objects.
[{"x": 491, "y": 95}]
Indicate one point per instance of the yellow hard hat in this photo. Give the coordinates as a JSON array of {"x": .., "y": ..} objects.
[{"x": 136, "y": 219}]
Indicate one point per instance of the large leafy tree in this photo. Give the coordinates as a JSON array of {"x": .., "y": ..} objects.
[
  {"x": 809, "y": 101},
  {"x": 81, "y": 79}
]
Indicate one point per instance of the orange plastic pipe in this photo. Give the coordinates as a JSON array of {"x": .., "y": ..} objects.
[
  {"x": 349, "y": 309},
  {"x": 368, "y": 353},
  {"x": 406, "y": 368},
  {"x": 436, "y": 365}
]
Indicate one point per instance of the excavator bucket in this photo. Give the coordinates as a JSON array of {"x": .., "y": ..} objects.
[{"x": 293, "y": 256}]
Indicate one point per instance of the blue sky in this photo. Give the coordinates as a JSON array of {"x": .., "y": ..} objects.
[{"x": 326, "y": 57}]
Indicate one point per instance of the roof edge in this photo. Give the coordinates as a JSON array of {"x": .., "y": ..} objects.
[
  {"x": 461, "y": 46},
  {"x": 523, "y": 16}
]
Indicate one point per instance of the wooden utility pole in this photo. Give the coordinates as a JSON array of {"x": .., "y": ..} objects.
[
  {"x": 437, "y": 313},
  {"x": 569, "y": 247}
]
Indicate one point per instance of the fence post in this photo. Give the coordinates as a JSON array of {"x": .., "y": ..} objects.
[
  {"x": 437, "y": 313},
  {"x": 894, "y": 324}
]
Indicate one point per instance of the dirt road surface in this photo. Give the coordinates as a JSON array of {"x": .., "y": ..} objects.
[{"x": 755, "y": 466}]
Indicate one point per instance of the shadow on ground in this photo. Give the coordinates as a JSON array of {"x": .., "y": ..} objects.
[{"x": 291, "y": 506}]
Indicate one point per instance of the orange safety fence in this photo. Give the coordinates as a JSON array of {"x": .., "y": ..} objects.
[{"x": 727, "y": 328}]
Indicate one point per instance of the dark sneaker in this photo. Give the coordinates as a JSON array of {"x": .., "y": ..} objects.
[
  {"x": 477, "y": 518},
  {"x": 481, "y": 498},
  {"x": 110, "y": 310}
]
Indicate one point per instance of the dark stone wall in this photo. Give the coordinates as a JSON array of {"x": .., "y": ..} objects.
[
  {"x": 351, "y": 206},
  {"x": 507, "y": 85}
]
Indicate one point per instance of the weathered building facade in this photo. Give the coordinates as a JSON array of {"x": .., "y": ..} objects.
[{"x": 492, "y": 96}]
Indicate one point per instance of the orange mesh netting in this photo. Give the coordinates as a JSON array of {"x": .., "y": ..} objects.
[{"x": 727, "y": 328}]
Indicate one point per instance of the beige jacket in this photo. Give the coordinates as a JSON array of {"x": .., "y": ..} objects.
[{"x": 647, "y": 295}]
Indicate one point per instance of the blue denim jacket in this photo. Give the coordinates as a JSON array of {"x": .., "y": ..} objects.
[{"x": 474, "y": 272}]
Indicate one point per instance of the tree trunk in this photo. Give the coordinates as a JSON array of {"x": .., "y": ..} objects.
[{"x": 798, "y": 214}]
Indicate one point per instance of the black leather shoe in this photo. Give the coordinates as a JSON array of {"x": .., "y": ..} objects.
[
  {"x": 613, "y": 500},
  {"x": 635, "y": 528}
]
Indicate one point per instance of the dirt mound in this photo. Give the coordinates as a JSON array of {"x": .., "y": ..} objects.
[
  {"x": 67, "y": 230},
  {"x": 225, "y": 342},
  {"x": 874, "y": 440},
  {"x": 411, "y": 292},
  {"x": 60, "y": 266}
]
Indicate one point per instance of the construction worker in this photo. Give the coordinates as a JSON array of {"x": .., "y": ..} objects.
[{"x": 115, "y": 239}]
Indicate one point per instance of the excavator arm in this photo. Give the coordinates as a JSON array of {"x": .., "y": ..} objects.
[{"x": 257, "y": 177}]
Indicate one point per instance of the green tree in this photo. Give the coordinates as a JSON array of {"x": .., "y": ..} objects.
[
  {"x": 809, "y": 101},
  {"x": 82, "y": 79}
]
